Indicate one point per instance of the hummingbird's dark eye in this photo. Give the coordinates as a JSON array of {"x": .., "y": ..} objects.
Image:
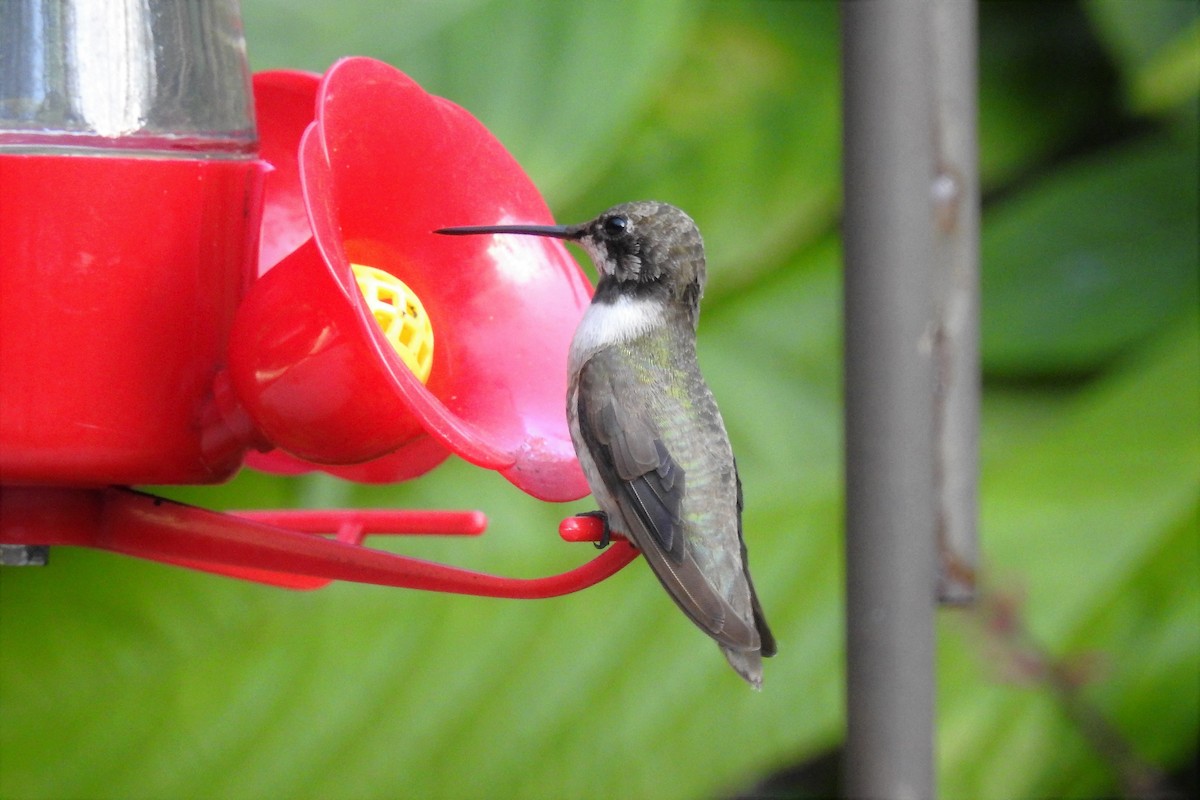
[{"x": 615, "y": 226}]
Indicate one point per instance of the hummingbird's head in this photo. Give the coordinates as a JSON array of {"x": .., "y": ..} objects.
[
  {"x": 643, "y": 249},
  {"x": 646, "y": 249}
]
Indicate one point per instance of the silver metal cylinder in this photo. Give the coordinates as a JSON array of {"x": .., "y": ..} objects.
[{"x": 165, "y": 77}]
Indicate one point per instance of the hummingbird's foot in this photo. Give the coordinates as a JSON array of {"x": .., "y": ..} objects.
[{"x": 606, "y": 536}]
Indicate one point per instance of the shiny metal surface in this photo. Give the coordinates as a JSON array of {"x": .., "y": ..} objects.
[{"x": 149, "y": 76}]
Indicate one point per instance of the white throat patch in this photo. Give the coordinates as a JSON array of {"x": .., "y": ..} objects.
[{"x": 606, "y": 324}]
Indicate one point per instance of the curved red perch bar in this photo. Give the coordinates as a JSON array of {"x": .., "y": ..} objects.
[{"x": 277, "y": 547}]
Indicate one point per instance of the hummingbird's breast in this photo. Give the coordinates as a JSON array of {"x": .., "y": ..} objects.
[{"x": 611, "y": 323}]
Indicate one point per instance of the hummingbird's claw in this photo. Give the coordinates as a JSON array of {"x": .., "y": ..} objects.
[{"x": 606, "y": 536}]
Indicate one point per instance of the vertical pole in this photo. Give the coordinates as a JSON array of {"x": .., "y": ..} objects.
[
  {"x": 956, "y": 255},
  {"x": 888, "y": 168}
]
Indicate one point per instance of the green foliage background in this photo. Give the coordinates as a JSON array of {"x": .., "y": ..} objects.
[{"x": 120, "y": 678}]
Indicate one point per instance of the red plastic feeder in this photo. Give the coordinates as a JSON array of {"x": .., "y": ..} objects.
[{"x": 146, "y": 337}]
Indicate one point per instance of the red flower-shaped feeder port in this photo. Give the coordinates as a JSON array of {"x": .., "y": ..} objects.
[{"x": 356, "y": 193}]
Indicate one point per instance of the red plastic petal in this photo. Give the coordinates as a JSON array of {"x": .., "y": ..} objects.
[
  {"x": 434, "y": 416},
  {"x": 284, "y": 105}
]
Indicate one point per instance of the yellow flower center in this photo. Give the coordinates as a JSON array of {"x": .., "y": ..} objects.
[{"x": 400, "y": 315}]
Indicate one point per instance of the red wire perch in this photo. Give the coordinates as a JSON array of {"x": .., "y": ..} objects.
[
  {"x": 350, "y": 527},
  {"x": 278, "y": 547}
]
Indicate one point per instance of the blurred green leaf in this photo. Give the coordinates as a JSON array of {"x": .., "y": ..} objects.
[
  {"x": 1090, "y": 261},
  {"x": 743, "y": 135},
  {"x": 772, "y": 358},
  {"x": 1135, "y": 31},
  {"x": 1044, "y": 86},
  {"x": 558, "y": 83},
  {"x": 1153, "y": 620},
  {"x": 1092, "y": 525},
  {"x": 1156, "y": 44},
  {"x": 1172, "y": 78}
]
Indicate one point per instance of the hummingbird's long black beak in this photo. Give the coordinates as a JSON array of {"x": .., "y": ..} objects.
[{"x": 554, "y": 231}]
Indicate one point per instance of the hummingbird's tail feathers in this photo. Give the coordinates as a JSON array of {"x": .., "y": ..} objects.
[
  {"x": 760, "y": 622},
  {"x": 696, "y": 597},
  {"x": 747, "y": 663},
  {"x": 765, "y": 636}
]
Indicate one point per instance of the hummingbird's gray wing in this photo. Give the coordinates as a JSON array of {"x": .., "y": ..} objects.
[
  {"x": 654, "y": 483},
  {"x": 646, "y": 485}
]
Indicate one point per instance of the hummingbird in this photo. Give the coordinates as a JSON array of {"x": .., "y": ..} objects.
[{"x": 645, "y": 425}]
